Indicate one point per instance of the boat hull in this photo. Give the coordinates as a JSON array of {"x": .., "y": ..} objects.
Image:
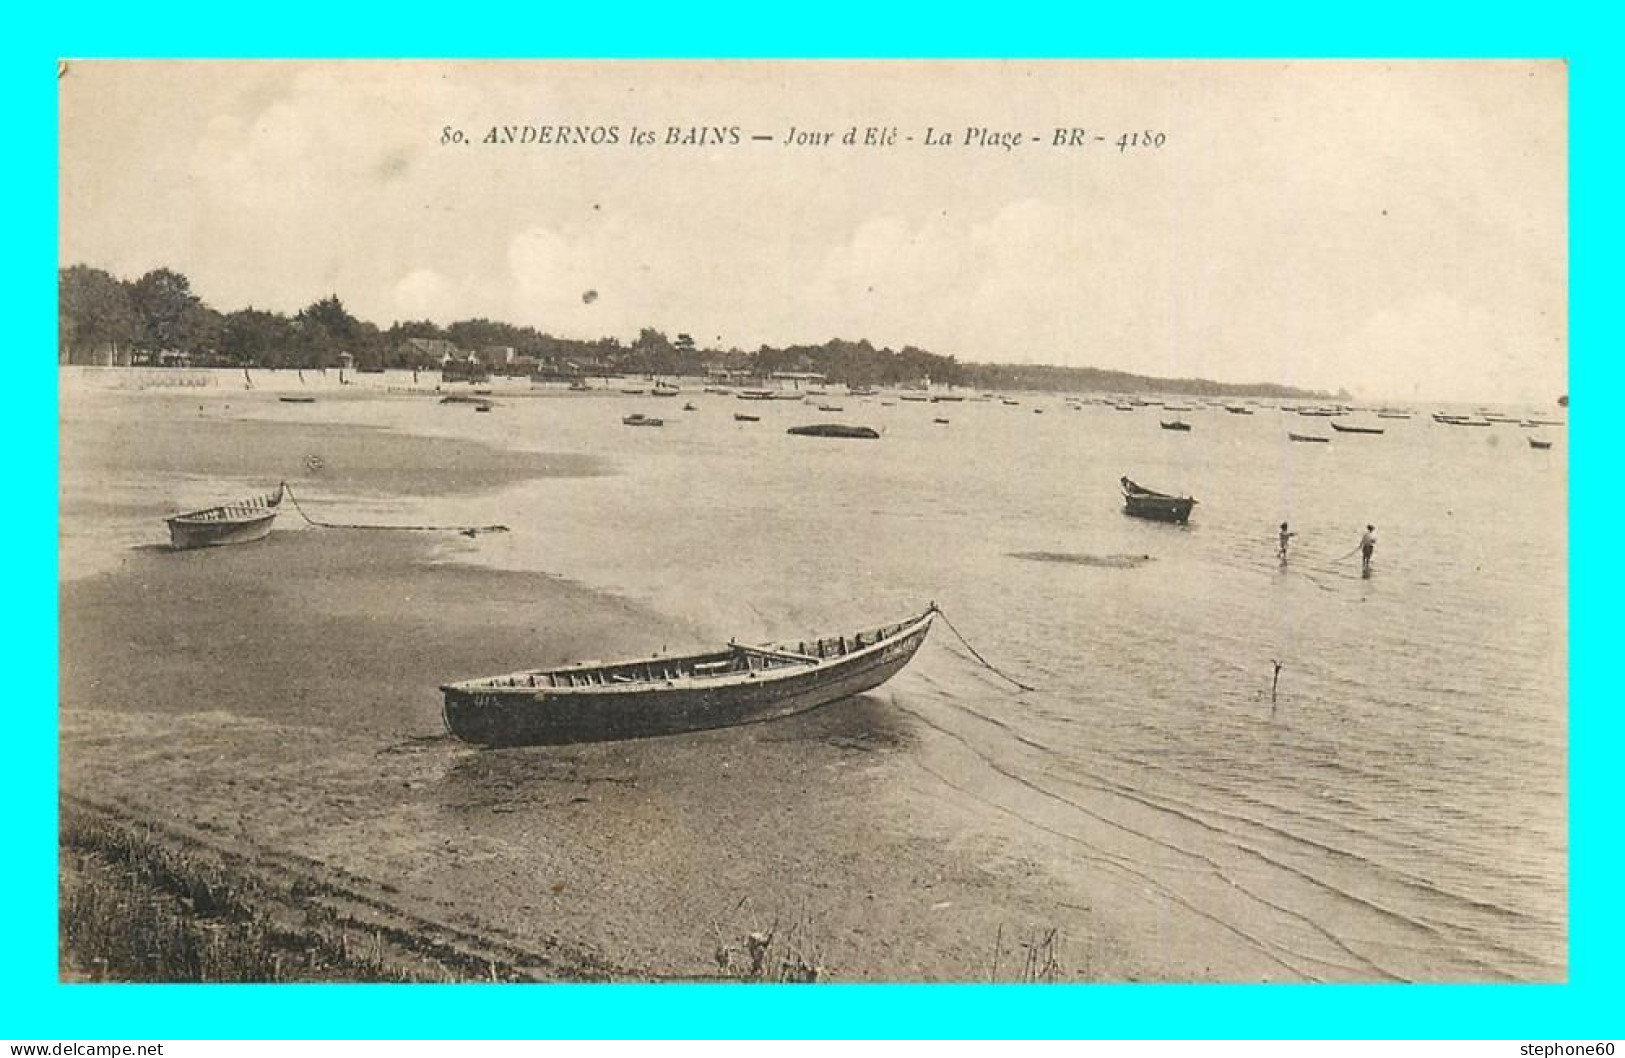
[
  {"x": 185, "y": 534},
  {"x": 1141, "y": 502},
  {"x": 1159, "y": 508},
  {"x": 516, "y": 716}
]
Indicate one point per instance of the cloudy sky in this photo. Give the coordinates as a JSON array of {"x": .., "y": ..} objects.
[{"x": 1398, "y": 229}]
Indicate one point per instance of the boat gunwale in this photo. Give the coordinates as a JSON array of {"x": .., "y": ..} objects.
[
  {"x": 800, "y": 665},
  {"x": 256, "y": 509}
]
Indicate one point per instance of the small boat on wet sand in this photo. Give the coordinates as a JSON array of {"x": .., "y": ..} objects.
[
  {"x": 1535, "y": 442},
  {"x": 1308, "y": 437},
  {"x": 241, "y": 522},
  {"x": 1175, "y": 425},
  {"x": 835, "y": 429},
  {"x": 1142, "y": 502},
  {"x": 740, "y": 416},
  {"x": 1340, "y": 428},
  {"x": 596, "y": 702},
  {"x": 639, "y": 419},
  {"x": 297, "y": 400}
]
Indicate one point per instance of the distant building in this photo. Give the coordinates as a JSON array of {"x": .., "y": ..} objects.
[
  {"x": 458, "y": 366},
  {"x": 497, "y": 355},
  {"x": 428, "y": 350}
]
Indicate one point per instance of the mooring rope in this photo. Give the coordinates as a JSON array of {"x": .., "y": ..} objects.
[
  {"x": 977, "y": 654},
  {"x": 466, "y": 530}
]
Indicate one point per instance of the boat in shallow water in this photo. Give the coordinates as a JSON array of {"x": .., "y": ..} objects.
[
  {"x": 241, "y": 522},
  {"x": 1142, "y": 502},
  {"x": 596, "y": 702}
]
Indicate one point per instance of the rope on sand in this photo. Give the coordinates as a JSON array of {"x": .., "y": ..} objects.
[
  {"x": 976, "y": 654},
  {"x": 466, "y": 530}
]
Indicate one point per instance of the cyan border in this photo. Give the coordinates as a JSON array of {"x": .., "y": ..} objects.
[{"x": 35, "y": 1006}]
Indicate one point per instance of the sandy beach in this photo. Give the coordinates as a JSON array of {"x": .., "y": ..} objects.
[{"x": 274, "y": 709}]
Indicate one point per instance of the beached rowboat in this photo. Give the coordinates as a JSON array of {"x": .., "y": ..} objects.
[
  {"x": 1158, "y": 506},
  {"x": 663, "y": 696},
  {"x": 230, "y": 523}
]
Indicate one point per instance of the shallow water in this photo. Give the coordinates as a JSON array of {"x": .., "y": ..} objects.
[{"x": 1398, "y": 811}]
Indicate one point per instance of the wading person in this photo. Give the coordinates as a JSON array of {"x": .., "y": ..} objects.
[
  {"x": 1286, "y": 536},
  {"x": 1368, "y": 544}
]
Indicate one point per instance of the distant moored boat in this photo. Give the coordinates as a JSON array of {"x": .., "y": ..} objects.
[{"x": 835, "y": 429}]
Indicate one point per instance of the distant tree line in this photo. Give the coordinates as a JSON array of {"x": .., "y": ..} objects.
[
  {"x": 157, "y": 319},
  {"x": 1099, "y": 380}
]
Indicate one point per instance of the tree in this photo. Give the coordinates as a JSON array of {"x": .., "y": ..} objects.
[
  {"x": 93, "y": 310},
  {"x": 254, "y": 338},
  {"x": 325, "y": 329},
  {"x": 169, "y": 313}
]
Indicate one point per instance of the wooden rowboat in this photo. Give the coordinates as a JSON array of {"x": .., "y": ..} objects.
[
  {"x": 1340, "y": 428},
  {"x": 1307, "y": 437},
  {"x": 1142, "y": 502},
  {"x": 1174, "y": 424},
  {"x": 230, "y": 523},
  {"x": 1535, "y": 442},
  {"x": 596, "y": 702}
]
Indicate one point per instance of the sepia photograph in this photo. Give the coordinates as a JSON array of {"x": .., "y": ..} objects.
[{"x": 815, "y": 521}]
